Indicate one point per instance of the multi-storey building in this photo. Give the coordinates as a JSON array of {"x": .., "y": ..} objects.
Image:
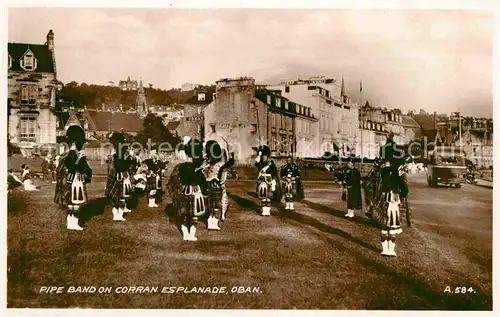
[
  {"x": 32, "y": 85},
  {"x": 238, "y": 117},
  {"x": 188, "y": 86},
  {"x": 477, "y": 142},
  {"x": 194, "y": 119},
  {"x": 290, "y": 125},
  {"x": 128, "y": 84},
  {"x": 337, "y": 127}
]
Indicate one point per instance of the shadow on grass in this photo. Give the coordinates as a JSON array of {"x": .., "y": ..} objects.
[
  {"x": 306, "y": 220},
  {"x": 245, "y": 203},
  {"x": 334, "y": 212}
]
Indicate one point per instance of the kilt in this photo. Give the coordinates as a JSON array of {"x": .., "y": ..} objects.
[
  {"x": 264, "y": 188},
  {"x": 214, "y": 196},
  {"x": 289, "y": 189},
  {"x": 64, "y": 181},
  {"x": 386, "y": 213},
  {"x": 151, "y": 183},
  {"x": 114, "y": 187},
  {"x": 191, "y": 202}
]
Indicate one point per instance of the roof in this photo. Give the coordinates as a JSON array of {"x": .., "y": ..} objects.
[
  {"x": 409, "y": 121},
  {"x": 172, "y": 125},
  {"x": 42, "y": 54},
  {"x": 115, "y": 121}
]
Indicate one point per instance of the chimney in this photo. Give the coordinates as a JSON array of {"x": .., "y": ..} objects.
[
  {"x": 50, "y": 45},
  {"x": 435, "y": 121},
  {"x": 50, "y": 40}
]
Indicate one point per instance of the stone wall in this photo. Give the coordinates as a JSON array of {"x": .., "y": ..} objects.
[
  {"x": 238, "y": 117},
  {"x": 45, "y": 103}
]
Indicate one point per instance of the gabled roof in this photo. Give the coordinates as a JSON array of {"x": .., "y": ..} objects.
[
  {"x": 115, "y": 121},
  {"x": 73, "y": 119},
  {"x": 42, "y": 54},
  {"x": 172, "y": 125},
  {"x": 409, "y": 121}
]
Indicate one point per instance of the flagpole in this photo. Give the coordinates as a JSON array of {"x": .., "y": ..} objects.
[
  {"x": 360, "y": 112},
  {"x": 460, "y": 130}
]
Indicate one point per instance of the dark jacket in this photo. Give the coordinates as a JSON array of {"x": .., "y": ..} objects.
[
  {"x": 74, "y": 164},
  {"x": 352, "y": 181},
  {"x": 290, "y": 169},
  {"x": 271, "y": 170}
]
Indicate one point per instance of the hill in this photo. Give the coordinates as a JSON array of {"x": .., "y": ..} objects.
[{"x": 95, "y": 96}]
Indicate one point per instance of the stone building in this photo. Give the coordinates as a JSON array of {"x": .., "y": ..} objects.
[
  {"x": 237, "y": 116},
  {"x": 389, "y": 120},
  {"x": 477, "y": 142},
  {"x": 194, "y": 121},
  {"x": 337, "y": 127},
  {"x": 412, "y": 130},
  {"x": 128, "y": 84},
  {"x": 290, "y": 124},
  {"x": 32, "y": 85}
]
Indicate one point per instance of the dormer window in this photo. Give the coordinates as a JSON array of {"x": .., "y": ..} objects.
[{"x": 28, "y": 61}]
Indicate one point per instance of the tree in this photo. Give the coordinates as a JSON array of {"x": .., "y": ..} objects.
[{"x": 155, "y": 131}]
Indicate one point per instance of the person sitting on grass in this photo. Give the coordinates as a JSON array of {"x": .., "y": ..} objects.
[
  {"x": 13, "y": 181},
  {"x": 28, "y": 185}
]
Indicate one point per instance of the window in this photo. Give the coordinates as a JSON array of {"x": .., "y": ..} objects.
[
  {"x": 10, "y": 62},
  {"x": 213, "y": 128},
  {"x": 28, "y": 62},
  {"x": 268, "y": 97},
  {"x": 28, "y": 127},
  {"x": 254, "y": 127},
  {"x": 283, "y": 144},
  {"x": 273, "y": 142},
  {"x": 287, "y": 88},
  {"x": 286, "y": 105},
  {"x": 29, "y": 94}
]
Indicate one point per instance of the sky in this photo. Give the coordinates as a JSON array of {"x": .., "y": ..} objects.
[{"x": 408, "y": 59}]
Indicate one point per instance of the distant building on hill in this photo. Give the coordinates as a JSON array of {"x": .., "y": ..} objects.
[{"x": 128, "y": 84}]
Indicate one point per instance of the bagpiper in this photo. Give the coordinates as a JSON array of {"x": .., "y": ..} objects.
[
  {"x": 72, "y": 175},
  {"x": 266, "y": 180},
  {"x": 215, "y": 175},
  {"x": 154, "y": 179},
  {"x": 390, "y": 187},
  {"x": 119, "y": 185},
  {"x": 352, "y": 188},
  {"x": 187, "y": 194},
  {"x": 291, "y": 183}
]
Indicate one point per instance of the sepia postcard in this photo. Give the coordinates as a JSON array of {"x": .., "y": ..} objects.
[{"x": 220, "y": 156}]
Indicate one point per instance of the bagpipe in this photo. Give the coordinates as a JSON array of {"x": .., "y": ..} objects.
[
  {"x": 289, "y": 186},
  {"x": 265, "y": 183}
]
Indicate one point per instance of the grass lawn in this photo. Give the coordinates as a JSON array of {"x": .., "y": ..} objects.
[{"x": 313, "y": 258}]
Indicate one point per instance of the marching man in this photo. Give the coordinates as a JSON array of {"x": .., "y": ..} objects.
[
  {"x": 216, "y": 175},
  {"x": 390, "y": 184},
  {"x": 119, "y": 186},
  {"x": 352, "y": 185},
  {"x": 154, "y": 181},
  {"x": 72, "y": 176},
  {"x": 266, "y": 181},
  {"x": 290, "y": 176},
  {"x": 191, "y": 202}
]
